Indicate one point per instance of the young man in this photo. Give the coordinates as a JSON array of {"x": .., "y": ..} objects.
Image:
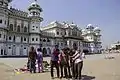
[
  {"x": 71, "y": 53},
  {"x": 78, "y": 62},
  {"x": 67, "y": 58},
  {"x": 54, "y": 61},
  {"x": 32, "y": 59}
]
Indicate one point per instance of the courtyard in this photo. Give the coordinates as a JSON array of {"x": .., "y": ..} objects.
[{"x": 96, "y": 67}]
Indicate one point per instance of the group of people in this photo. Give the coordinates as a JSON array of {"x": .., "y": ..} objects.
[
  {"x": 35, "y": 57},
  {"x": 69, "y": 61}
]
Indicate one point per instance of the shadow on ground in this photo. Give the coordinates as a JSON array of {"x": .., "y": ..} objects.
[{"x": 85, "y": 77}]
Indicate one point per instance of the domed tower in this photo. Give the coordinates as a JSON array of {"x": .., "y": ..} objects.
[
  {"x": 98, "y": 39},
  {"x": 3, "y": 24},
  {"x": 90, "y": 27},
  {"x": 97, "y": 30},
  {"x": 34, "y": 29}
]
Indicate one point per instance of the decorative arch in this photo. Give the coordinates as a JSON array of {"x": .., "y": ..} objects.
[
  {"x": 44, "y": 40},
  {"x": 11, "y": 27},
  {"x": 49, "y": 50},
  {"x": 44, "y": 51},
  {"x": 25, "y": 29},
  {"x": 18, "y": 28}
]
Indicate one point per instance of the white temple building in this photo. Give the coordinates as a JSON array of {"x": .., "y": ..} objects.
[{"x": 20, "y": 30}]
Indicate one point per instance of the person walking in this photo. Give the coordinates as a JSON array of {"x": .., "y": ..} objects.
[
  {"x": 54, "y": 61},
  {"x": 40, "y": 60},
  {"x": 32, "y": 59}
]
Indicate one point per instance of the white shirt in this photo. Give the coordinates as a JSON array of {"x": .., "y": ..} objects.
[{"x": 39, "y": 53}]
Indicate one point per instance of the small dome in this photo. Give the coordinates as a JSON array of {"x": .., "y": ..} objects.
[
  {"x": 73, "y": 26},
  {"x": 35, "y": 5},
  {"x": 97, "y": 29},
  {"x": 89, "y": 25}
]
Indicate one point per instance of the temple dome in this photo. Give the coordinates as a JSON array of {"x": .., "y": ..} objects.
[
  {"x": 35, "y": 5},
  {"x": 97, "y": 29},
  {"x": 90, "y": 26}
]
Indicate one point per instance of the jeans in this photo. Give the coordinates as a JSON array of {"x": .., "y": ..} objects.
[
  {"x": 32, "y": 66},
  {"x": 68, "y": 69},
  {"x": 40, "y": 65},
  {"x": 73, "y": 69},
  {"x": 56, "y": 65},
  {"x": 78, "y": 69},
  {"x": 63, "y": 67}
]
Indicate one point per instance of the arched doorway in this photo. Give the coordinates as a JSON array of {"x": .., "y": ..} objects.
[
  {"x": 1, "y": 51},
  {"x": 48, "y": 51},
  {"x": 44, "y": 52}
]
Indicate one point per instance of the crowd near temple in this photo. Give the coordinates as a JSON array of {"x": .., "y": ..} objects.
[{"x": 21, "y": 30}]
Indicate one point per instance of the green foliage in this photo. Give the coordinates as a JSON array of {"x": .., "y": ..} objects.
[{"x": 45, "y": 64}]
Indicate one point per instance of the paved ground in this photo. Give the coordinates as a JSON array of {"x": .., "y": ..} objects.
[{"x": 95, "y": 68}]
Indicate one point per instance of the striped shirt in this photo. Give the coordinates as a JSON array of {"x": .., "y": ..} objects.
[{"x": 78, "y": 56}]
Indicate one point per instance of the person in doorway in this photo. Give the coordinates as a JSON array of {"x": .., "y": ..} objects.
[
  {"x": 32, "y": 59},
  {"x": 40, "y": 60},
  {"x": 54, "y": 61}
]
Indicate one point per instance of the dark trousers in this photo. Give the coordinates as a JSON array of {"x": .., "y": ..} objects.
[
  {"x": 56, "y": 65},
  {"x": 32, "y": 66},
  {"x": 63, "y": 67},
  {"x": 68, "y": 69},
  {"x": 78, "y": 69},
  {"x": 73, "y": 69}
]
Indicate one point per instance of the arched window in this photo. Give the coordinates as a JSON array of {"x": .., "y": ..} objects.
[
  {"x": 25, "y": 29},
  {"x": 44, "y": 51},
  {"x": 18, "y": 28},
  {"x": 11, "y": 27},
  {"x": 44, "y": 40},
  {"x": 48, "y": 40}
]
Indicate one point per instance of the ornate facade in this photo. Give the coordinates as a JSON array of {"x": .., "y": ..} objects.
[
  {"x": 92, "y": 39},
  {"x": 20, "y": 30}
]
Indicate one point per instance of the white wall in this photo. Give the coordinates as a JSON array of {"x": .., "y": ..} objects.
[
  {"x": 17, "y": 50},
  {"x": 34, "y": 36},
  {"x": 35, "y": 27},
  {"x": 9, "y": 48}
]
